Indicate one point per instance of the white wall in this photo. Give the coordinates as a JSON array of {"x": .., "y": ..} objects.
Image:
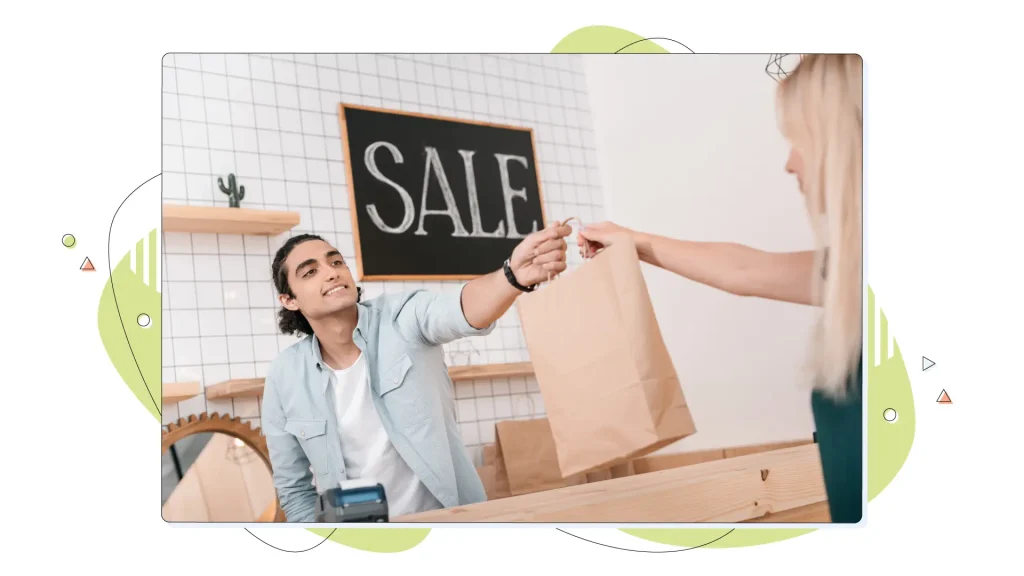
[{"x": 688, "y": 147}]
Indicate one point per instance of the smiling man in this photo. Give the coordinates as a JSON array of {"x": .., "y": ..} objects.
[{"x": 366, "y": 395}]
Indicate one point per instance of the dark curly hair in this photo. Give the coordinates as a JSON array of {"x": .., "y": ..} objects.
[{"x": 292, "y": 321}]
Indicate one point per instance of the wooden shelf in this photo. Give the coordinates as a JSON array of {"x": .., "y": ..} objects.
[
  {"x": 221, "y": 220},
  {"x": 244, "y": 388},
  {"x": 482, "y": 371},
  {"x": 177, "y": 391},
  {"x": 739, "y": 489},
  {"x": 249, "y": 387}
]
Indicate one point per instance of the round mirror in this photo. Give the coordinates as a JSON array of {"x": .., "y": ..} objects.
[{"x": 215, "y": 469}]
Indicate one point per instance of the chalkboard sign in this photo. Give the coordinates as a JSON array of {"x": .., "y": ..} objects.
[{"x": 437, "y": 198}]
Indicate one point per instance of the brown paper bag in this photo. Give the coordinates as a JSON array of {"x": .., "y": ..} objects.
[
  {"x": 492, "y": 473},
  {"x": 527, "y": 454},
  {"x": 500, "y": 474},
  {"x": 623, "y": 470},
  {"x": 608, "y": 383},
  {"x": 495, "y": 483},
  {"x": 611, "y": 473},
  {"x": 490, "y": 453}
]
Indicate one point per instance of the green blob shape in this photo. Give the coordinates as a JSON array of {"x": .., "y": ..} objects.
[
  {"x": 383, "y": 540},
  {"x": 69, "y": 241},
  {"x": 605, "y": 40},
  {"x": 134, "y": 297}
]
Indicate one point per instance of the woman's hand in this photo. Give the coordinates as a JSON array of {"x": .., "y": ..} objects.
[{"x": 599, "y": 236}]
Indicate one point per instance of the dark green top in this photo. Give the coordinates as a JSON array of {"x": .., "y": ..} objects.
[{"x": 841, "y": 445}]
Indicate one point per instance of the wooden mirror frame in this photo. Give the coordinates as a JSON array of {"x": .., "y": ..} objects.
[{"x": 233, "y": 427}]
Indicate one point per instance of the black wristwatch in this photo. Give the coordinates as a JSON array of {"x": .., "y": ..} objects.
[{"x": 512, "y": 279}]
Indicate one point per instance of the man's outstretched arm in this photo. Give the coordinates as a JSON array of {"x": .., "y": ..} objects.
[
  {"x": 538, "y": 256},
  {"x": 441, "y": 318}
]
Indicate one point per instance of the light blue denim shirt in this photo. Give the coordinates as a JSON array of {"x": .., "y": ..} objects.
[{"x": 400, "y": 336}]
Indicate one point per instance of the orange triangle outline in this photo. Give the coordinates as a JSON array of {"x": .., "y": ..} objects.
[
  {"x": 944, "y": 398},
  {"x": 87, "y": 266}
]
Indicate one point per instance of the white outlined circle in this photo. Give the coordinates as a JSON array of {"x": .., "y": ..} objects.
[
  {"x": 144, "y": 320},
  {"x": 890, "y": 415}
]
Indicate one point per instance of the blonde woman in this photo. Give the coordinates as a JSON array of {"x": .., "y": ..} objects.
[{"x": 820, "y": 115}]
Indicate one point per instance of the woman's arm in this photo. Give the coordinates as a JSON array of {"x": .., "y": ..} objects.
[{"x": 734, "y": 268}]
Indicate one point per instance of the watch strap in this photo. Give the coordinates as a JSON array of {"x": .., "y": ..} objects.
[{"x": 507, "y": 267}]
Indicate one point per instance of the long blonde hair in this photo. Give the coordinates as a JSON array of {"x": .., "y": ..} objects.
[{"x": 820, "y": 106}]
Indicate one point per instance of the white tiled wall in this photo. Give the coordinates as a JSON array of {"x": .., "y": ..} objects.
[{"x": 272, "y": 121}]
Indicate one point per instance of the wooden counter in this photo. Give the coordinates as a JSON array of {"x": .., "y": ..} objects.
[{"x": 739, "y": 489}]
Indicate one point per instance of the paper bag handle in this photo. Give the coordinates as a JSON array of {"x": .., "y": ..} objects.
[{"x": 586, "y": 244}]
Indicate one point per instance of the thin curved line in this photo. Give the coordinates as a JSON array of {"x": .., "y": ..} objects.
[
  {"x": 773, "y": 59},
  {"x": 647, "y": 551},
  {"x": 776, "y": 61},
  {"x": 291, "y": 551},
  {"x": 655, "y": 38},
  {"x": 110, "y": 266}
]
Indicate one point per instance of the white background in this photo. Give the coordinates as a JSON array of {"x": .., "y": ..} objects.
[{"x": 81, "y": 130}]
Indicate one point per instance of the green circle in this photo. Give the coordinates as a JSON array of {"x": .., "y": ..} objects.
[{"x": 69, "y": 241}]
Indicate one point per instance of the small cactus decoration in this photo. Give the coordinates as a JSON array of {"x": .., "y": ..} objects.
[{"x": 235, "y": 195}]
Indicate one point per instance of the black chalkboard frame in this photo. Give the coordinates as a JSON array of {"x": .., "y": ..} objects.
[{"x": 352, "y": 197}]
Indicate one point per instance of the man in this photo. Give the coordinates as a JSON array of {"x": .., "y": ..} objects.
[{"x": 366, "y": 394}]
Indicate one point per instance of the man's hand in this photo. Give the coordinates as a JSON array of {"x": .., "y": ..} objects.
[{"x": 540, "y": 255}]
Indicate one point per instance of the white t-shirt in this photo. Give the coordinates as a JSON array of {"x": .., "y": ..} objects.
[{"x": 367, "y": 449}]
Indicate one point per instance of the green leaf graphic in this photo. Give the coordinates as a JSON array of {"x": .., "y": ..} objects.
[
  {"x": 888, "y": 387},
  {"x": 133, "y": 348}
]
